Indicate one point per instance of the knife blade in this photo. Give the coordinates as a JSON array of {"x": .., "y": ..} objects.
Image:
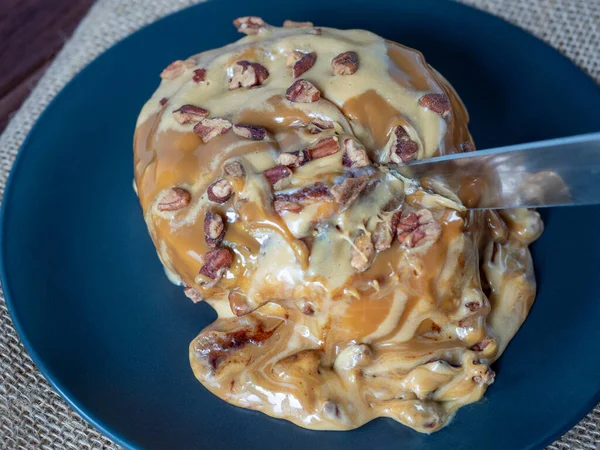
[{"x": 555, "y": 172}]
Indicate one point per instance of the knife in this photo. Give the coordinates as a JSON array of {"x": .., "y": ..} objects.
[{"x": 556, "y": 172}]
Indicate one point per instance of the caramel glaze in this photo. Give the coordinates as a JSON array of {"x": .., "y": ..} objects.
[{"x": 301, "y": 334}]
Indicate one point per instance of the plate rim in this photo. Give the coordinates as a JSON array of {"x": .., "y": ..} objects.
[{"x": 92, "y": 419}]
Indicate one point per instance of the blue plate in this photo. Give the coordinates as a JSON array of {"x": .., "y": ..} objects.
[{"x": 95, "y": 311}]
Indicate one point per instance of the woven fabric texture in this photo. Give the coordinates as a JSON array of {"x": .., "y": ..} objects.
[{"x": 32, "y": 415}]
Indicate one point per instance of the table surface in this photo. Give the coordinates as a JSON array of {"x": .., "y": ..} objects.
[{"x": 31, "y": 34}]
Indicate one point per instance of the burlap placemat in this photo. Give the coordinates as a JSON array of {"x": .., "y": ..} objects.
[{"x": 32, "y": 415}]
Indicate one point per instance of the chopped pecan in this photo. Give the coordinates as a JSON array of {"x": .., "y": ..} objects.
[
  {"x": 318, "y": 125},
  {"x": 220, "y": 191},
  {"x": 163, "y": 101},
  {"x": 467, "y": 146},
  {"x": 199, "y": 75},
  {"x": 174, "y": 199},
  {"x": 214, "y": 229},
  {"x": 434, "y": 422},
  {"x": 234, "y": 169},
  {"x": 384, "y": 232},
  {"x": 294, "y": 159},
  {"x": 408, "y": 223},
  {"x": 382, "y": 236},
  {"x": 345, "y": 63},
  {"x": 238, "y": 302},
  {"x": 293, "y": 57},
  {"x": 348, "y": 190},
  {"x": 216, "y": 263},
  {"x": 176, "y": 68},
  {"x": 209, "y": 129},
  {"x": 295, "y": 201},
  {"x": 247, "y": 74},
  {"x": 192, "y": 294},
  {"x": 189, "y": 113},
  {"x": 473, "y": 306},
  {"x": 284, "y": 205},
  {"x": 249, "y": 24},
  {"x": 355, "y": 154},
  {"x": 324, "y": 147},
  {"x": 485, "y": 378},
  {"x": 278, "y": 176},
  {"x": 292, "y": 24},
  {"x": 403, "y": 148},
  {"x": 304, "y": 64},
  {"x": 417, "y": 229},
  {"x": 252, "y": 132},
  {"x": 480, "y": 346},
  {"x": 216, "y": 347},
  {"x": 308, "y": 309},
  {"x": 302, "y": 91},
  {"x": 362, "y": 252},
  {"x": 438, "y": 103},
  {"x": 332, "y": 410},
  {"x": 354, "y": 355}
]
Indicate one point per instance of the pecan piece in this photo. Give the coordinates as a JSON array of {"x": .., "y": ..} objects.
[
  {"x": 234, "y": 169},
  {"x": 473, "y": 306},
  {"x": 348, "y": 191},
  {"x": 308, "y": 309},
  {"x": 438, "y": 103},
  {"x": 220, "y": 191},
  {"x": 192, "y": 294},
  {"x": 216, "y": 347},
  {"x": 238, "y": 302},
  {"x": 403, "y": 148},
  {"x": 208, "y": 129},
  {"x": 199, "y": 75},
  {"x": 345, "y": 63},
  {"x": 189, "y": 113},
  {"x": 214, "y": 229},
  {"x": 485, "y": 378},
  {"x": 285, "y": 205},
  {"x": 304, "y": 64},
  {"x": 318, "y": 125},
  {"x": 174, "y": 199},
  {"x": 362, "y": 252},
  {"x": 248, "y": 74},
  {"x": 216, "y": 263},
  {"x": 278, "y": 176},
  {"x": 292, "y": 24},
  {"x": 163, "y": 101},
  {"x": 177, "y": 68},
  {"x": 294, "y": 159},
  {"x": 467, "y": 146},
  {"x": 293, "y": 57},
  {"x": 332, "y": 410},
  {"x": 249, "y": 24},
  {"x": 302, "y": 91},
  {"x": 296, "y": 201},
  {"x": 324, "y": 147},
  {"x": 418, "y": 229},
  {"x": 355, "y": 154},
  {"x": 480, "y": 346},
  {"x": 384, "y": 232},
  {"x": 252, "y": 132}
]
